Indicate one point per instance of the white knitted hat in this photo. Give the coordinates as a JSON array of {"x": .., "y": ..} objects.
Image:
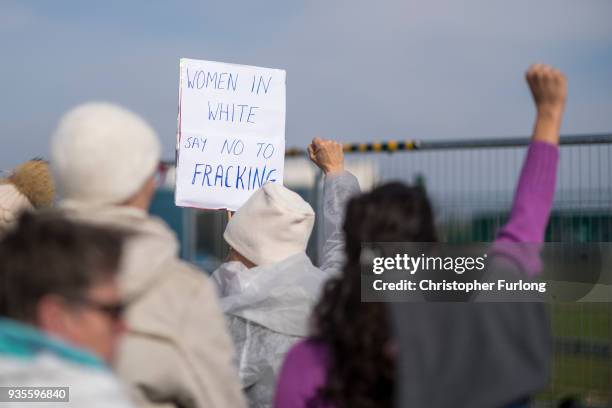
[
  {"x": 273, "y": 224},
  {"x": 12, "y": 203},
  {"x": 102, "y": 153}
]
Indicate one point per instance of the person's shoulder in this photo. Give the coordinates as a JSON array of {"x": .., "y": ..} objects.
[
  {"x": 174, "y": 270},
  {"x": 190, "y": 284},
  {"x": 311, "y": 346},
  {"x": 189, "y": 273},
  {"x": 89, "y": 385},
  {"x": 178, "y": 289},
  {"x": 304, "y": 372},
  {"x": 97, "y": 388},
  {"x": 259, "y": 334},
  {"x": 309, "y": 353}
]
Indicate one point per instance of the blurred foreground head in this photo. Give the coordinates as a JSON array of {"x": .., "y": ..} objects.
[
  {"x": 104, "y": 154},
  {"x": 61, "y": 277},
  {"x": 27, "y": 187},
  {"x": 272, "y": 225}
]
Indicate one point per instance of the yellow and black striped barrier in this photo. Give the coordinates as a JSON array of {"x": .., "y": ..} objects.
[
  {"x": 389, "y": 146},
  {"x": 392, "y": 146}
]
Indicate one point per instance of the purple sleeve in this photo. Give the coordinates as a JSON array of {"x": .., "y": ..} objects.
[
  {"x": 302, "y": 374},
  {"x": 531, "y": 209}
]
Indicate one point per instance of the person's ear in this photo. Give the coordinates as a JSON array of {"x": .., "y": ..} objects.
[{"x": 51, "y": 314}]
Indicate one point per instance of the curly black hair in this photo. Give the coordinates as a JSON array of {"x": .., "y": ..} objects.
[{"x": 361, "y": 369}]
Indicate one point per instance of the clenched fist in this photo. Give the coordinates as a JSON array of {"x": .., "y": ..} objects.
[
  {"x": 327, "y": 155},
  {"x": 549, "y": 89}
]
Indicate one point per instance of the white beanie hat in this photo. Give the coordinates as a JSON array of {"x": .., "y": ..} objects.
[
  {"x": 102, "y": 153},
  {"x": 273, "y": 224}
]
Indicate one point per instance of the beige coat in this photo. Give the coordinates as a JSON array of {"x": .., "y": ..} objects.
[{"x": 176, "y": 351}]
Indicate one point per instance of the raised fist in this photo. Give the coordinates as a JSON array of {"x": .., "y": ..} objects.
[
  {"x": 327, "y": 155},
  {"x": 549, "y": 89}
]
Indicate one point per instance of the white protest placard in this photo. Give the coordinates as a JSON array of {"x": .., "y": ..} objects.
[{"x": 231, "y": 132}]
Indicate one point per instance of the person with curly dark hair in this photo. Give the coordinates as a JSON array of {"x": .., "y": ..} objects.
[
  {"x": 363, "y": 355},
  {"x": 354, "y": 337}
]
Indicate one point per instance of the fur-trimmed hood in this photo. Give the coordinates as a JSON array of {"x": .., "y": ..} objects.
[{"x": 29, "y": 186}]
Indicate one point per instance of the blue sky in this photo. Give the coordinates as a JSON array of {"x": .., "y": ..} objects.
[{"x": 356, "y": 70}]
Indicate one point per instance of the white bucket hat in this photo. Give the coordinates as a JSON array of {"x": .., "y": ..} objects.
[{"x": 272, "y": 225}]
